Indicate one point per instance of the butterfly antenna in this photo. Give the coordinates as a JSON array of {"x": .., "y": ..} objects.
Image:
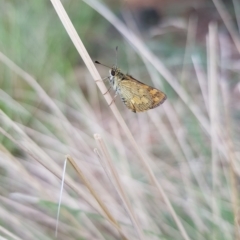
[
  {"x": 97, "y": 62},
  {"x": 116, "y": 55}
]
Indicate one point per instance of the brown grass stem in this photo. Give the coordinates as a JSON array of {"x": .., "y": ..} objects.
[
  {"x": 95, "y": 195},
  {"x": 50, "y": 165},
  {"x": 118, "y": 185}
]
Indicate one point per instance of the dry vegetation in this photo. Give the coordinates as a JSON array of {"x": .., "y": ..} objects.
[{"x": 169, "y": 173}]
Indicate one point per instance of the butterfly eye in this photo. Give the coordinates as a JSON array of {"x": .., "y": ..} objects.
[{"x": 113, "y": 73}]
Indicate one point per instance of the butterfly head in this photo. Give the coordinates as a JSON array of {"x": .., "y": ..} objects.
[{"x": 114, "y": 71}]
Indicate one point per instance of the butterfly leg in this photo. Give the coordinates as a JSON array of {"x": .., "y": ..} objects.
[
  {"x": 113, "y": 99},
  {"x": 107, "y": 91},
  {"x": 102, "y": 80}
]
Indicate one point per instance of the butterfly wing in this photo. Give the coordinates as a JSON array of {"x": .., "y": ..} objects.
[{"x": 138, "y": 96}]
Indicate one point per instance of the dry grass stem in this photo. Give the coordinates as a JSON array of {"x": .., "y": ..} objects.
[
  {"x": 169, "y": 173},
  {"x": 191, "y": 35},
  {"x": 105, "y": 210},
  {"x": 236, "y": 5},
  {"x": 9, "y": 234},
  {"x": 213, "y": 115},
  {"x": 118, "y": 185},
  {"x": 227, "y": 21},
  {"x": 231, "y": 149},
  {"x": 201, "y": 77},
  {"x": 86, "y": 58},
  {"x": 51, "y": 166},
  {"x": 42, "y": 94}
]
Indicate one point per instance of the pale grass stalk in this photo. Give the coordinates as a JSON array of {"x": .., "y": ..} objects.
[
  {"x": 25, "y": 140},
  {"x": 70, "y": 184},
  {"x": 166, "y": 136},
  {"x": 2, "y": 238},
  {"x": 202, "y": 80},
  {"x": 22, "y": 111},
  {"x": 74, "y": 114},
  {"x": 44, "y": 160},
  {"x": 188, "y": 153},
  {"x": 42, "y": 94},
  {"x": 14, "y": 222},
  {"x": 118, "y": 185},
  {"x": 14, "y": 165},
  {"x": 156, "y": 119},
  {"x": 140, "y": 203},
  {"x": 60, "y": 198},
  {"x": 47, "y": 140},
  {"x": 178, "y": 131},
  {"x": 92, "y": 92},
  {"x": 104, "y": 166},
  {"x": 11, "y": 103},
  {"x": 142, "y": 139},
  {"x": 78, "y": 98},
  {"x": 16, "y": 144},
  {"x": 212, "y": 68},
  {"x": 236, "y": 5},
  {"x": 96, "y": 232},
  {"x": 228, "y": 22},
  {"x": 45, "y": 98},
  {"x": 33, "y": 83},
  {"x": 118, "y": 141},
  {"x": 19, "y": 205},
  {"x": 90, "y": 225},
  {"x": 191, "y": 35},
  {"x": 80, "y": 136},
  {"x": 232, "y": 158},
  {"x": 82, "y": 51},
  {"x": 96, "y": 196},
  {"x": 185, "y": 152},
  {"x": 86, "y": 58},
  {"x": 9, "y": 234}
]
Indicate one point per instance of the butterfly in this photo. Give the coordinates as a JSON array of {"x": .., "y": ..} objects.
[{"x": 137, "y": 96}]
